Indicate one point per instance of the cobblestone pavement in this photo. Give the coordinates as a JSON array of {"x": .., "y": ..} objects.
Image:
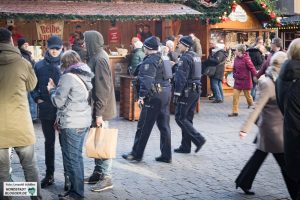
[{"x": 207, "y": 175}]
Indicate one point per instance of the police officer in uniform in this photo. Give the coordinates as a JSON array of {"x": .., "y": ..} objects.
[
  {"x": 154, "y": 98},
  {"x": 186, "y": 95}
]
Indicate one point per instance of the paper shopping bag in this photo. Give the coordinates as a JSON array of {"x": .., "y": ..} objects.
[{"x": 101, "y": 143}]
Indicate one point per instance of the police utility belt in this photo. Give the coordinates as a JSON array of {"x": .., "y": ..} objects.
[{"x": 193, "y": 87}]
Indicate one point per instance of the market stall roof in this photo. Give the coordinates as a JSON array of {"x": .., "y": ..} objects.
[{"x": 95, "y": 11}]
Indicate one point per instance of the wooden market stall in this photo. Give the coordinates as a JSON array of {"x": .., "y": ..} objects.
[
  {"x": 231, "y": 23},
  {"x": 117, "y": 21},
  {"x": 289, "y": 30}
]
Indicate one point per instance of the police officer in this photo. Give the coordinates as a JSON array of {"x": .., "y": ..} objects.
[
  {"x": 154, "y": 98},
  {"x": 186, "y": 95}
]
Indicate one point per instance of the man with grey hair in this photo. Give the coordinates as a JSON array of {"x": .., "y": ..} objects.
[
  {"x": 276, "y": 45},
  {"x": 172, "y": 54}
]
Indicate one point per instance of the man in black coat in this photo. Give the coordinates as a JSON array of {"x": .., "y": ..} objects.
[
  {"x": 288, "y": 99},
  {"x": 216, "y": 58},
  {"x": 257, "y": 58}
]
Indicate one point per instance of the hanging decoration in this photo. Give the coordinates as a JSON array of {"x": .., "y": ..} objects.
[{"x": 210, "y": 3}]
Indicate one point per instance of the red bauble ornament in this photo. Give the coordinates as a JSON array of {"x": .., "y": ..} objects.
[
  {"x": 273, "y": 15},
  {"x": 263, "y": 5},
  {"x": 233, "y": 6}
]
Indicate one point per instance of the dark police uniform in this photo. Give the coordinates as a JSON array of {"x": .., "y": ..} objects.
[
  {"x": 155, "y": 88},
  {"x": 187, "y": 91}
]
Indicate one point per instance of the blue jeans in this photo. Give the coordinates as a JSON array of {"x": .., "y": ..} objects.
[
  {"x": 253, "y": 91},
  {"x": 217, "y": 89},
  {"x": 29, "y": 165},
  {"x": 32, "y": 107},
  {"x": 103, "y": 166},
  {"x": 71, "y": 145}
]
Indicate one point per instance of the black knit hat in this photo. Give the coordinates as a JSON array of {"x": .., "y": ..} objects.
[
  {"x": 21, "y": 41},
  {"x": 54, "y": 42},
  {"x": 186, "y": 41},
  {"x": 151, "y": 43}
]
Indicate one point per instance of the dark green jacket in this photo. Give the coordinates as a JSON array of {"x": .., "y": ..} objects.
[{"x": 137, "y": 57}]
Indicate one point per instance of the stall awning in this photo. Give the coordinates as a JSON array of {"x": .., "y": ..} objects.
[{"x": 95, "y": 11}]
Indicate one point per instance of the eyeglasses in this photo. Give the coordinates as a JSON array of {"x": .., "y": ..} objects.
[{"x": 56, "y": 48}]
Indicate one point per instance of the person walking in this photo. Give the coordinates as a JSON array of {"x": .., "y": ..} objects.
[
  {"x": 154, "y": 98},
  {"x": 45, "y": 69},
  {"x": 270, "y": 124},
  {"x": 217, "y": 59},
  {"x": 103, "y": 104},
  {"x": 288, "y": 98},
  {"x": 17, "y": 78},
  {"x": 74, "y": 117},
  {"x": 242, "y": 70},
  {"x": 186, "y": 95}
]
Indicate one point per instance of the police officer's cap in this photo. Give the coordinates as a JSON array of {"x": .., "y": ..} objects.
[
  {"x": 186, "y": 41},
  {"x": 151, "y": 43}
]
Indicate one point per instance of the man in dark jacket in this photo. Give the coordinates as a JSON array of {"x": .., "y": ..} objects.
[
  {"x": 103, "y": 103},
  {"x": 288, "y": 99},
  {"x": 45, "y": 69},
  {"x": 257, "y": 58},
  {"x": 22, "y": 45},
  {"x": 217, "y": 59}
]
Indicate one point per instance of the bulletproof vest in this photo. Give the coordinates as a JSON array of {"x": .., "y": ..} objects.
[
  {"x": 196, "y": 68},
  {"x": 164, "y": 70}
]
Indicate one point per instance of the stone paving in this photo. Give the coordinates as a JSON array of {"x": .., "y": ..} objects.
[{"x": 207, "y": 175}]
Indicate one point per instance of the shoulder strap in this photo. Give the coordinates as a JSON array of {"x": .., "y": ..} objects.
[{"x": 82, "y": 83}]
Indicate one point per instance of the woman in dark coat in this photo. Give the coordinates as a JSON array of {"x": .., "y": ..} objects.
[
  {"x": 243, "y": 68},
  {"x": 270, "y": 124},
  {"x": 288, "y": 98}
]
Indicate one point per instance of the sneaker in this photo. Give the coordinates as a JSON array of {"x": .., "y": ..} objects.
[
  {"x": 102, "y": 185},
  {"x": 217, "y": 101},
  {"x": 94, "y": 178},
  {"x": 47, "y": 181},
  {"x": 211, "y": 98}
]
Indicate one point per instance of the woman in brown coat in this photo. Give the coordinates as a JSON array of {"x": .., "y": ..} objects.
[{"x": 269, "y": 120}]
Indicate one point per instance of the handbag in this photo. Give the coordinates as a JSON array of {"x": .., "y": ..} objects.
[
  {"x": 210, "y": 71},
  {"x": 101, "y": 143}
]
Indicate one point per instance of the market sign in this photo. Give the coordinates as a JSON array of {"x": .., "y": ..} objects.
[
  {"x": 113, "y": 35},
  {"x": 46, "y": 29},
  {"x": 239, "y": 15},
  {"x": 210, "y": 3}
]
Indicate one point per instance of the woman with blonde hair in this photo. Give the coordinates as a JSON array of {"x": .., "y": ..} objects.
[
  {"x": 70, "y": 97},
  {"x": 242, "y": 70},
  {"x": 269, "y": 120},
  {"x": 288, "y": 99}
]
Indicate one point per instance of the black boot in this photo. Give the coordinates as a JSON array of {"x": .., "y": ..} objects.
[
  {"x": 67, "y": 183},
  {"x": 47, "y": 181}
]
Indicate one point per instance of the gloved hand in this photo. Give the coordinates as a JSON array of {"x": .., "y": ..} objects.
[{"x": 175, "y": 99}]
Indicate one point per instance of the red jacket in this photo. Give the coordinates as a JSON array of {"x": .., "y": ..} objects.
[{"x": 242, "y": 70}]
